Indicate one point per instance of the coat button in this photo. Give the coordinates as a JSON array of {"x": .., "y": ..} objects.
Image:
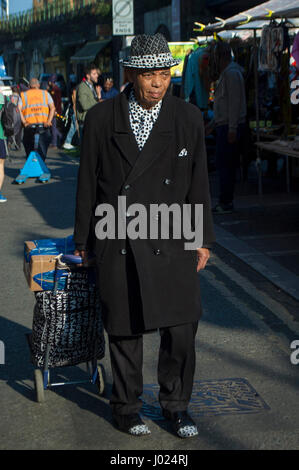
[
  {"x": 157, "y": 252},
  {"x": 123, "y": 251},
  {"x": 127, "y": 186},
  {"x": 167, "y": 181}
]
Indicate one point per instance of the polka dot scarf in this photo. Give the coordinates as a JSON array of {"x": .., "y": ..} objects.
[{"x": 142, "y": 120}]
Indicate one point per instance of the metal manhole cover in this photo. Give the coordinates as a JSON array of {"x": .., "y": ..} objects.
[{"x": 210, "y": 397}]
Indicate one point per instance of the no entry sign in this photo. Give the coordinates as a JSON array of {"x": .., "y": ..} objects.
[{"x": 123, "y": 17}]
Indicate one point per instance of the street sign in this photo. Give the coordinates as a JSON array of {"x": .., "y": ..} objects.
[{"x": 123, "y": 17}]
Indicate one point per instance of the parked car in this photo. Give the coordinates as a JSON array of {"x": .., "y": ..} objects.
[
  {"x": 44, "y": 77},
  {"x": 5, "y": 85}
]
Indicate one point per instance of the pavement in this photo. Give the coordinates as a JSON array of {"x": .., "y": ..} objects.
[
  {"x": 245, "y": 393},
  {"x": 263, "y": 230}
]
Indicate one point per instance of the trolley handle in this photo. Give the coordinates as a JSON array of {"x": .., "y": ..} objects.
[
  {"x": 71, "y": 259},
  {"x": 65, "y": 260}
]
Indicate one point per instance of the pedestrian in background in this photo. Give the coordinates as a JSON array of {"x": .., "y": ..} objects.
[
  {"x": 74, "y": 125},
  {"x": 108, "y": 90},
  {"x": 55, "y": 93},
  {"x": 23, "y": 84},
  {"x": 3, "y": 152},
  {"x": 15, "y": 96},
  {"x": 230, "y": 110},
  {"x": 16, "y": 138},
  {"x": 36, "y": 108},
  {"x": 88, "y": 94}
]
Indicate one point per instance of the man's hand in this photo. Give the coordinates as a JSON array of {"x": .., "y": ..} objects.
[
  {"x": 84, "y": 256},
  {"x": 99, "y": 91},
  {"x": 232, "y": 136},
  {"x": 203, "y": 254},
  {"x": 48, "y": 124}
]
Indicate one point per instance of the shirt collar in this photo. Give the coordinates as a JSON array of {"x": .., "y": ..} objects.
[{"x": 142, "y": 113}]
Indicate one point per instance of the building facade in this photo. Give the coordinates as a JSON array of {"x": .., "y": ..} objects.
[
  {"x": 158, "y": 16},
  {"x": 47, "y": 38},
  {"x": 62, "y": 36}
]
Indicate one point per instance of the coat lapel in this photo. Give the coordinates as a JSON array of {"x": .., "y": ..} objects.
[
  {"x": 160, "y": 137},
  {"x": 123, "y": 135},
  {"x": 158, "y": 140}
]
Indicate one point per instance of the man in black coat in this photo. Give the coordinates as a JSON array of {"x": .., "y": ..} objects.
[{"x": 146, "y": 147}]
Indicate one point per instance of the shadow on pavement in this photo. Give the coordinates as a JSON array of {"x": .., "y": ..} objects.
[
  {"x": 253, "y": 365},
  {"x": 18, "y": 373},
  {"x": 85, "y": 396},
  {"x": 51, "y": 200},
  {"x": 55, "y": 200},
  {"x": 17, "y": 367}
]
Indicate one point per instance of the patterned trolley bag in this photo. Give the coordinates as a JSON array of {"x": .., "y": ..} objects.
[{"x": 67, "y": 326}]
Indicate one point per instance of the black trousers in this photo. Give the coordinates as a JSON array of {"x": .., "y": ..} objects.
[
  {"x": 227, "y": 161},
  {"x": 43, "y": 143},
  {"x": 176, "y": 366}
]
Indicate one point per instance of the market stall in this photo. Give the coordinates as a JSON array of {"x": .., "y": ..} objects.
[
  {"x": 254, "y": 18},
  {"x": 269, "y": 29}
]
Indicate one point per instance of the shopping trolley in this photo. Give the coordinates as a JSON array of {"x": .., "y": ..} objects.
[{"x": 67, "y": 327}]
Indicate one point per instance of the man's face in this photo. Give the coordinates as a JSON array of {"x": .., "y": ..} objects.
[
  {"x": 93, "y": 76},
  {"x": 108, "y": 84},
  {"x": 150, "y": 85}
]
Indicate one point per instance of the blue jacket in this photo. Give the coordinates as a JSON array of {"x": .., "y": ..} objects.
[{"x": 193, "y": 80}]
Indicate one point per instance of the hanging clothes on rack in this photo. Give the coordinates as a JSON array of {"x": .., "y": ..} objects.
[
  {"x": 295, "y": 52},
  {"x": 274, "y": 40},
  {"x": 182, "y": 92},
  {"x": 196, "y": 78}
]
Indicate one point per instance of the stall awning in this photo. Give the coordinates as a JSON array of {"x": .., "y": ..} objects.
[
  {"x": 263, "y": 12},
  {"x": 90, "y": 50}
]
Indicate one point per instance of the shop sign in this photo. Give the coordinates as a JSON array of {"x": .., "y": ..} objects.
[{"x": 179, "y": 50}]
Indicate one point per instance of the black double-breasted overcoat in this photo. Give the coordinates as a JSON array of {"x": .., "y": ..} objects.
[{"x": 144, "y": 283}]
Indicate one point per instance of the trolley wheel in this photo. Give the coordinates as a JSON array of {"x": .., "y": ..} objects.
[
  {"x": 39, "y": 386},
  {"x": 100, "y": 382}
]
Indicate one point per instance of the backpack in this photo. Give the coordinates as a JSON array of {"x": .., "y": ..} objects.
[{"x": 9, "y": 117}]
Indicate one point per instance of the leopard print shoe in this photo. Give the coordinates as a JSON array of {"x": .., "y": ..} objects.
[
  {"x": 182, "y": 423},
  {"x": 131, "y": 424}
]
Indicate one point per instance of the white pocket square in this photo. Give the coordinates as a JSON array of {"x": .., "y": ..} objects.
[{"x": 183, "y": 153}]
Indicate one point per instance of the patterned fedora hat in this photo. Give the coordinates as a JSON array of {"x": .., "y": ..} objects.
[{"x": 150, "y": 52}]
